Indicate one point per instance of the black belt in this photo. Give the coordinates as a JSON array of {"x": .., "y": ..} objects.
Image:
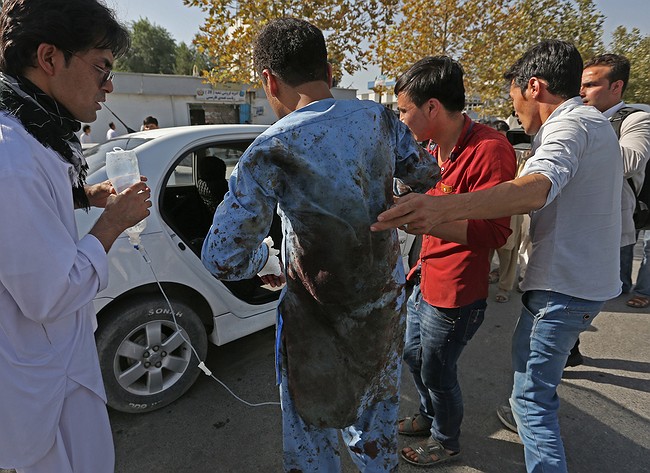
[{"x": 416, "y": 277}]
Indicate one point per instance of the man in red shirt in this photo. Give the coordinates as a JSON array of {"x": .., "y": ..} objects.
[{"x": 447, "y": 307}]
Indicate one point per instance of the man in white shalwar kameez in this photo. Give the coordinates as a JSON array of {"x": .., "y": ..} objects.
[{"x": 55, "y": 68}]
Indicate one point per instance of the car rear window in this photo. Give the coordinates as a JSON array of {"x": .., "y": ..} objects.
[{"x": 96, "y": 156}]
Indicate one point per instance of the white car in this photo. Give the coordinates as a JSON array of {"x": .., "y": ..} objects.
[{"x": 146, "y": 363}]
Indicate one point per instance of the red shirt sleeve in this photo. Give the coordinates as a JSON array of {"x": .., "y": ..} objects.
[{"x": 494, "y": 162}]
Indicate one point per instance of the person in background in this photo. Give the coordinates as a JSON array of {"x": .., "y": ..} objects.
[
  {"x": 500, "y": 126},
  {"x": 641, "y": 297},
  {"x": 508, "y": 255},
  {"x": 574, "y": 265},
  {"x": 513, "y": 121},
  {"x": 448, "y": 302},
  {"x": 111, "y": 132},
  {"x": 84, "y": 138},
  {"x": 56, "y": 58},
  {"x": 604, "y": 81},
  {"x": 328, "y": 166},
  {"x": 149, "y": 123}
]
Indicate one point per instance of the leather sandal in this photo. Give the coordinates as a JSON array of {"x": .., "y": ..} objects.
[
  {"x": 425, "y": 449},
  {"x": 414, "y": 425},
  {"x": 502, "y": 296},
  {"x": 639, "y": 302}
]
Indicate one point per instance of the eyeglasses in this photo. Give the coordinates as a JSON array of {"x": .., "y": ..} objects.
[{"x": 107, "y": 74}]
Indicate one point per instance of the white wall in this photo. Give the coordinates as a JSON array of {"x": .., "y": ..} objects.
[{"x": 167, "y": 97}]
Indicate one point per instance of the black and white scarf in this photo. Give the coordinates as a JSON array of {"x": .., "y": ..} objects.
[{"x": 50, "y": 123}]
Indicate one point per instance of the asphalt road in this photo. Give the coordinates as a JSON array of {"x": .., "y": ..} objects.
[{"x": 604, "y": 415}]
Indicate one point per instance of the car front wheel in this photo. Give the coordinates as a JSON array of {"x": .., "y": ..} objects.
[{"x": 146, "y": 359}]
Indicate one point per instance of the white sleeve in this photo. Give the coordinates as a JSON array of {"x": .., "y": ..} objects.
[{"x": 46, "y": 271}]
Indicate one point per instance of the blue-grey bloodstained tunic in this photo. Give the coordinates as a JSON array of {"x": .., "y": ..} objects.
[{"x": 328, "y": 168}]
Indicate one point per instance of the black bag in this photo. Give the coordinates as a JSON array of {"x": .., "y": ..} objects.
[{"x": 642, "y": 209}]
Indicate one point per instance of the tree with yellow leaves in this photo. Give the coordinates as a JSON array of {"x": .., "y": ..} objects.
[
  {"x": 485, "y": 36},
  {"x": 231, "y": 26}
]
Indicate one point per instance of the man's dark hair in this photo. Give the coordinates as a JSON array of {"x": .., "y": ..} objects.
[
  {"x": 70, "y": 25},
  {"x": 438, "y": 77},
  {"x": 619, "y": 67},
  {"x": 86, "y": 128},
  {"x": 293, "y": 50},
  {"x": 557, "y": 62},
  {"x": 499, "y": 125},
  {"x": 111, "y": 125},
  {"x": 150, "y": 121}
]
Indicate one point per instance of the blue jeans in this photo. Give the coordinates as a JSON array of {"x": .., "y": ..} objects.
[
  {"x": 627, "y": 256},
  {"x": 643, "y": 278},
  {"x": 547, "y": 329},
  {"x": 435, "y": 338},
  {"x": 371, "y": 441}
]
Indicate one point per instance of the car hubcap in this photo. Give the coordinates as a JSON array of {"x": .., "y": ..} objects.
[{"x": 152, "y": 358}]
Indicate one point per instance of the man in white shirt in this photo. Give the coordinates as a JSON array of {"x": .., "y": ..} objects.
[
  {"x": 55, "y": 70},
  {"x": 85, "y": 136},
  {"x": 571, "y": 185},
  {"x": 111, "y": 132},
  {"x": 604, "y": 81}
]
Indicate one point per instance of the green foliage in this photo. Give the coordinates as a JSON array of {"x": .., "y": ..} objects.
[
  {"x": 153, "y": 50},
  {"x": 636, "y": 48},
  {"x": 184, "y": 60},
  {"x": 189, "y": 60}
]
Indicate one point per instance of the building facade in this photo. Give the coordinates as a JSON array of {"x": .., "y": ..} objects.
[{"x": 182, "y": 100}]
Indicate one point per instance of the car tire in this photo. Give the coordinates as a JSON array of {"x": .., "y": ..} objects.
[{"x": 145, "y": 362}]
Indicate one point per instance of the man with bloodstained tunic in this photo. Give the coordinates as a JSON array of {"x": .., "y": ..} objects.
[{"x": 328, "y": 166}]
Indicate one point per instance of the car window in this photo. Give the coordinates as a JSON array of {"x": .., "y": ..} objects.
[
  {"x": 517, "y": 136},
  {"x": 96, "y": 156},
  {"x": 183, "y": 173},
  {"x": 228, "y": 153},
  {"x": 201, "y": 164}
]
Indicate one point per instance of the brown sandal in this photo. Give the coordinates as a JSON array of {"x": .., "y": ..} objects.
[
  {"x": 639, "y": 302},
  {"x": 502, "y": 296},
  {"x": 414, "y": 426},
  {"x": 424, "y": 452}
]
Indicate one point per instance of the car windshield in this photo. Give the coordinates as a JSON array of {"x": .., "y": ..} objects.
[{"x": 96, "y": 156}]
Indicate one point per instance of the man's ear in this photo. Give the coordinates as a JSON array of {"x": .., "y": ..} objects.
[
  {"x": 431, "y": 106},
  {"x": 271, "y": 82},
  {"x": 47, "y": 58},
  {"x": 536, "y": 86},
  {"x": 617, "y": 86}
]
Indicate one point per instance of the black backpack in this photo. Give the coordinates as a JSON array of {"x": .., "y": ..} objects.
[{"x": 642, "y": 209}]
